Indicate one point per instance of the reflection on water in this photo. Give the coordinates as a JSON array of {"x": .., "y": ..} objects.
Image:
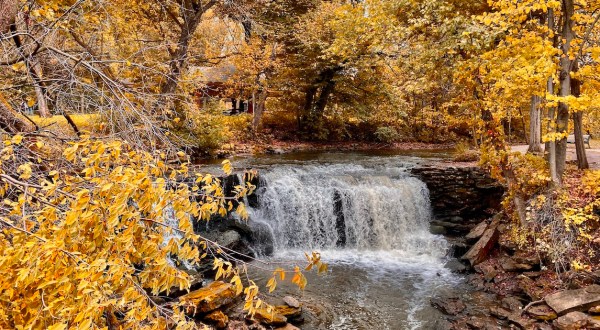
[{"x": 371, "y": 290}]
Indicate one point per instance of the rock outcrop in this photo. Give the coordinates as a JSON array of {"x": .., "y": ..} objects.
[
  {"x": 460, "y": 196},
  {"x": 574, "y": 300}
]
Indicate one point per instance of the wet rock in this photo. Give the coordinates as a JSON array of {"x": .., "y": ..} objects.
[
  {"x": 270, "y": 317},
  {"x": 229, "y": 239},
  {"x": 483, "y": 247},
  {"x": 437, "y": 230},
  {"x": 574, "y": 300},
  {"x": 542, "y": 313},
  {"x": 448, "y": 306},
  {"x": 442, "y": 324},
  {"x": 456, "y": 266},
  {"x": 217, "y": 318},
  {"x": 209, "y": 298},
  {"x": 291, "y": 301},
  {"x": 477, "y": 232},
  {"x": 512, "y": 304},
  {"x": 572, "y": 321}
]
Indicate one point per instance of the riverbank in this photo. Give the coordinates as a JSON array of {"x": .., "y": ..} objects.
[
  {"x": 273, "y": 146},
  {"x": 513, "y": 287}
]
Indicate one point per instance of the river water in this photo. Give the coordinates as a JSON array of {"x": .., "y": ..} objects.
[{"x": 369, "y": 219}]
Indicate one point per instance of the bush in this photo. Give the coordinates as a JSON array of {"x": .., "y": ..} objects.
[
  {"x": 463, "y": 153},
  {"x": 387, "y": 134}
]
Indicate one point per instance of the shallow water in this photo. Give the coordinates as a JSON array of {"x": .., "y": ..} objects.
[{"x": 369, "y": 219}]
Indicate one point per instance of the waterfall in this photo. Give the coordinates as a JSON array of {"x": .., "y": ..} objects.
[{"x": 346, "y": 207}]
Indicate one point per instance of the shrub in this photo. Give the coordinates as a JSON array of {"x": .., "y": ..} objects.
[{"x": 387, "y": 134}]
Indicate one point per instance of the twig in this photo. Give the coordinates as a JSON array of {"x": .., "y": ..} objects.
[
  {"x": 14, "y": 181},
  {"x": 537, "y": 302}
]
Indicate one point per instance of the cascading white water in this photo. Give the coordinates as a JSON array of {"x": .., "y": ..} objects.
[{"x": 346, "y": 207}]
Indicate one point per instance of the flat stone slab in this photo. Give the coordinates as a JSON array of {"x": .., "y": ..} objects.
[{"x": 574, "y": 300}]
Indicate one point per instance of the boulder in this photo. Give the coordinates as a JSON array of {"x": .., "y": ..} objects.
[
  {"x": 542, "y": 313},
  {"x": 209, "y": 298},
  {"x": 510, "y": 265},
  {"x": 484, "y": 246},
  {"x": 291, "y": 301},
  {"x": 448, "y": 306},
  {"x": 288, "y": 327},
  {"x": 456, "y": 266},
  {"x": 269, "y": 317},
  {"x": 574, "y": 300},
  {"x": 217, "y": 318},
  {"x": 229, "y": 239},
  {"x": 288, "y": 311},
  {"x": 437, "y": 230},
  {"x": 594, "y": 310},
  {"x": 572, "y": 321},
  {"x": 477, "y": 232}
]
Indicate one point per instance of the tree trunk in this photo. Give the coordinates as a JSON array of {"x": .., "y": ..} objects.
[
  {"x": 582, "y": 161},
  {"x": 261, "y": 98},
  {"x": 562, "y": 118},
  {"x": 535, "y": 125},
  {"x": 551, "y": 144},
  {"x": 191, "y": 13},
  {"x": 8, "y": 12},
  {"x": 11, "y": 121}
]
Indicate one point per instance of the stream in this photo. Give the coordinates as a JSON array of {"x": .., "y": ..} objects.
[{"x": 369, "y": 219}]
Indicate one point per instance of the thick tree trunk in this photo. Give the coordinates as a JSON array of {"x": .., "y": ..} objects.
[
  {"x": 582, "y": 161},
  {"x": 259, "y": 108},
  {"x": 191, "y": 12},
  {"x": 535, "y": 125},
  {"x": 562, "y": 118}
]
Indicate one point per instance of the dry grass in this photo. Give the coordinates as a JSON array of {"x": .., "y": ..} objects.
[{"x": 60, "y": 126}]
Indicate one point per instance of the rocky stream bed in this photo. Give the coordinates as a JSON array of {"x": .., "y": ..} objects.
[{"x": 484, "y": 281}]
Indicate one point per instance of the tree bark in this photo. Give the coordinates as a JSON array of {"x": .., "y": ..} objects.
[
  {"x": 191, "y": 12},
  {"x": 551, "y": 144},
  {"x": 582, "y": 161},
  {"x": 8, "y": 13},
  {"x": 11, "y": 121},
  {"x": 535, "y": 125},
  {"x": 562, "y": 118}
]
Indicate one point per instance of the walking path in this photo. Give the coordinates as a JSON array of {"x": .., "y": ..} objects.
[{"x": 593, "y": 154}]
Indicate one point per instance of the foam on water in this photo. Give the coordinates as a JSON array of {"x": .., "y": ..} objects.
[{"x": 363, "y": 220}]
